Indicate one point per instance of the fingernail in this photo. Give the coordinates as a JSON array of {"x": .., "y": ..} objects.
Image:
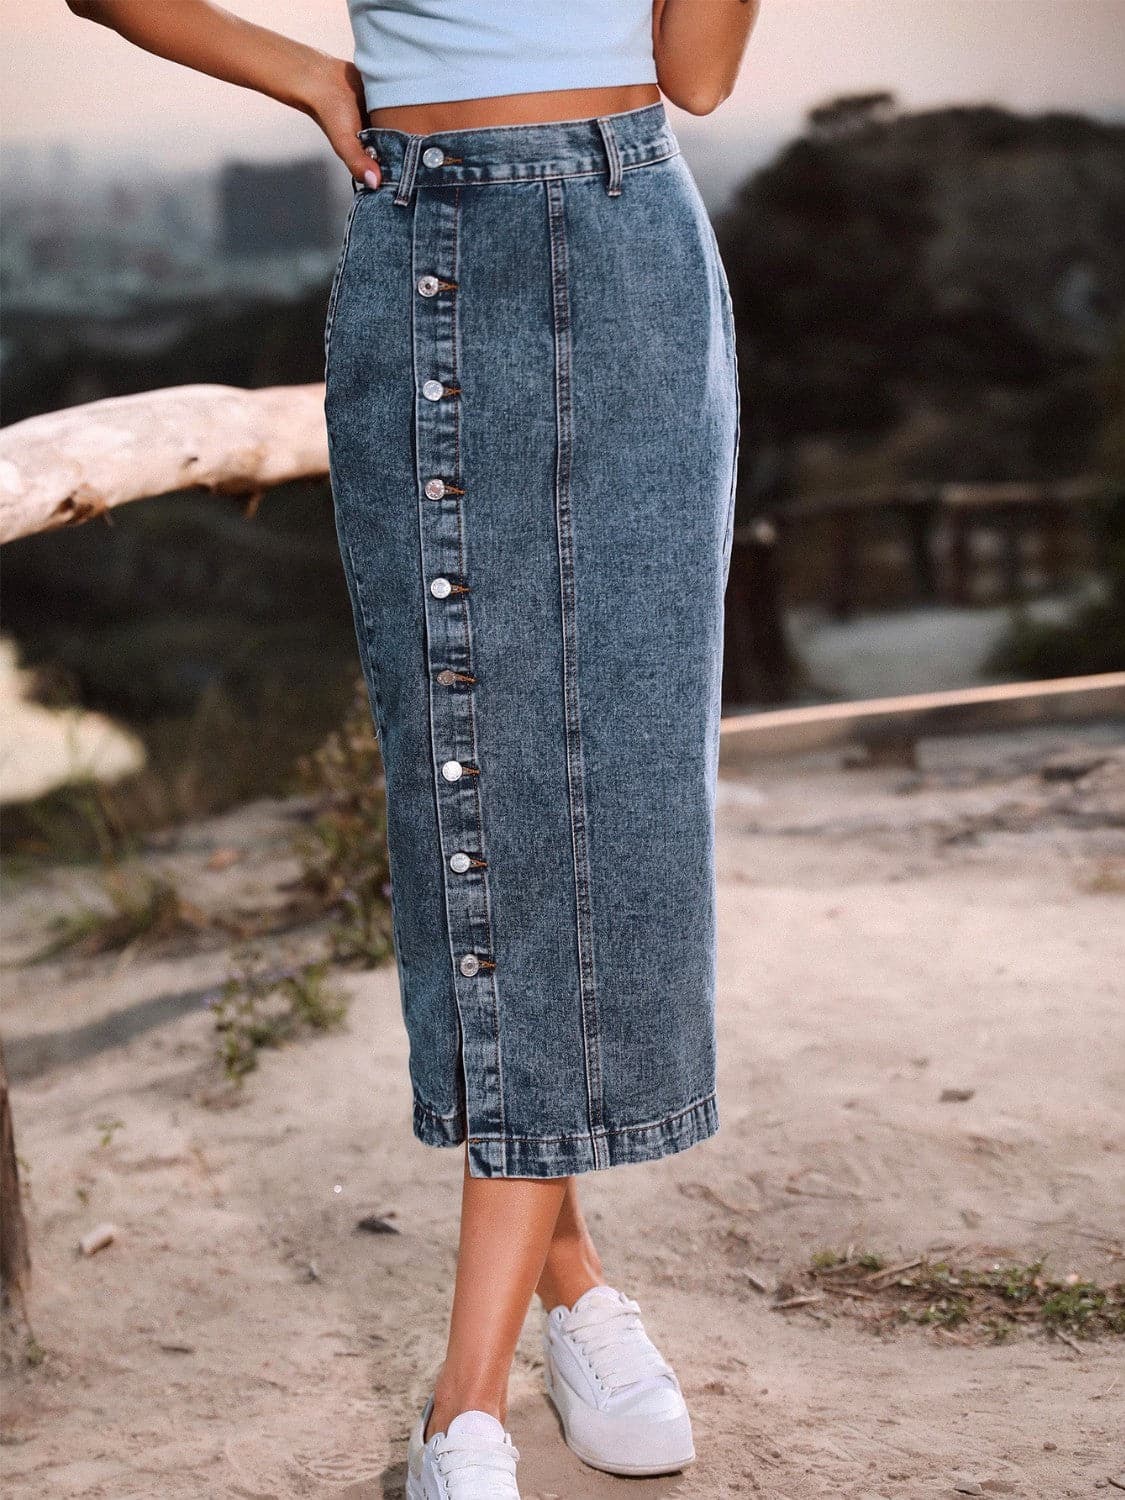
[{"x": 372, "y": 179}]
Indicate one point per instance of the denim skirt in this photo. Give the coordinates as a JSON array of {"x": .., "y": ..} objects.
[{"x": 532, "y": 408}]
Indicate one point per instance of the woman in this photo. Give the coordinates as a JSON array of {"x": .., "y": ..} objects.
[{"x": 532, "y": 413}]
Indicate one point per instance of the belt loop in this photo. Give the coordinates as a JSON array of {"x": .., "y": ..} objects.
[
  {"x": 409, "y": 168},
  {"x": 613, "y": 155}
]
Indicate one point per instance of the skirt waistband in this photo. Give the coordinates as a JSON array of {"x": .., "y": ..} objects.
[{"x": 605, "y": 144}]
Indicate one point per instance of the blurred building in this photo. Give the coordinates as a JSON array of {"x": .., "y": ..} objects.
[{"x": 266, "y": 209}]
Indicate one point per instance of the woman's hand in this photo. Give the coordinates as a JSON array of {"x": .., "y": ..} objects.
[
  {"x": 211, "y": 40},
  {"x": 333, "y": 97}
]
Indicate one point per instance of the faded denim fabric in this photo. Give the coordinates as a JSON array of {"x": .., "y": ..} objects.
[{"x": 532, "y": 411}]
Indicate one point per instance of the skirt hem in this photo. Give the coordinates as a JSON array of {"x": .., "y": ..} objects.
[{"x": 569, "y": 1155}]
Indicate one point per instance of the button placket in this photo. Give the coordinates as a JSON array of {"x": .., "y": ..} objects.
[{"x": 446, "y": 581}]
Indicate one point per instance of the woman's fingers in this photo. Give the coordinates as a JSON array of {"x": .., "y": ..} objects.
[
  {"x": 373, "y": 173},
  {"x": 361, "y": 161},
  {"x": 338, "y": 115}
]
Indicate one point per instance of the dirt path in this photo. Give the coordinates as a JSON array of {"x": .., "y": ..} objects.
[{"x": 885, "y": 937}]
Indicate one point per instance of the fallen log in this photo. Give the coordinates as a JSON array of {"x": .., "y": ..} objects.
[
  {"x": 66, "y": 467},
  {"x": 15, "y": 1257}
]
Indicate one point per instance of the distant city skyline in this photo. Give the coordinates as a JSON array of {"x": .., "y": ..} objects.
[{"x": 68, "y": 80}]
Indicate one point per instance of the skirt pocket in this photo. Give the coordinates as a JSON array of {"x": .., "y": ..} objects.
[{"x": 337, "y": 277}]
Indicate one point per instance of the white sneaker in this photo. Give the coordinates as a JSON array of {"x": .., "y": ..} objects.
[
  {"x": 474, "y": 1459},
  {"x": 621, "y": 1405}
]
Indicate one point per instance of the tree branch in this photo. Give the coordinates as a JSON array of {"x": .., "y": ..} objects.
[{"x": 67, "y": 466}]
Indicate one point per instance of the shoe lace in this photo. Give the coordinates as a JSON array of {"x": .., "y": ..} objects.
[
  {"x": 474, "y": 1470},
  {"x": 620, "y": 1353}
]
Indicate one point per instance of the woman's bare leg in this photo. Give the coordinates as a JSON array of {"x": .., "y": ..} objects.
[
  {"x": 572, "y": 1265},
  {"x": 506, "y": 1229}
]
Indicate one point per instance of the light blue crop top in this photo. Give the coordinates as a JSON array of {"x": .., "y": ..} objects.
[{"x": 425, "y": 51}]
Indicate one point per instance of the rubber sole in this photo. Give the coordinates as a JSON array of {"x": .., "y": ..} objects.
[
  {"x": 570, "y": 1407},
  {"x": 413, "y": 1488}
]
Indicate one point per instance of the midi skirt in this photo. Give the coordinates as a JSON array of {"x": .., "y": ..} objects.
[{"x": 532, "y": 408}]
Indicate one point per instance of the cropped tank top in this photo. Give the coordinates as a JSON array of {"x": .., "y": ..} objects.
[{"x": 427, "y": 51}]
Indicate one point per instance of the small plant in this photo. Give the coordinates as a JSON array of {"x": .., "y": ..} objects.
[
  {"x": 1018, "y": 1284},
  {"x": 260, "y": 1006},
  {"x": 1081, "y": 1308},
  {"x": 830, "y": 1260},
  {"x": 993, "y": 1302},
  {"x": 947, "y": 1312},
  {"x": 69, "y": 825},
  {"x": 142, "y": 908},
  {"x": 345, "y": 850},
  {"x": 107, "y": 1129},
  {"x": 825, "y": 1260},
  {"x": 1107, "y": 878}
]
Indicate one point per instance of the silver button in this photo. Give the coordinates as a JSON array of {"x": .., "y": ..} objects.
[
  {"x": 428, "y": 286},
  {"x": 435, "y": 489},
  {"x": 452, "y": 770},
  {"x": 446, "y": 677},
  {"x": 470, "y": 964},
  {"x": 441, "y": 588},
  {"x": 433, "y": 156},
  {"x": 459, "y": 862},
  {"x": 433, "y": 390},
  {"x": 371, "y": 152}
]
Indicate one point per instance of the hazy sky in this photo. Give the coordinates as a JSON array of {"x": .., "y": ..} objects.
[{"x": 67, "y": 77}]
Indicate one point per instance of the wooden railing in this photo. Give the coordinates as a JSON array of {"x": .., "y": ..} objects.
[{"x": 939, "y": 525}]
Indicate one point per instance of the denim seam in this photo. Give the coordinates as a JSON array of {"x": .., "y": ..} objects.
[
  {"x": 436, "y": 1114},
  {"x": 454, "y": 263},
  {"x": 368, "y": 654},
  {"x": 604, "y": 1132},
  {"x": 560, "y": 299},
  {"x": 466, "y": 619}
]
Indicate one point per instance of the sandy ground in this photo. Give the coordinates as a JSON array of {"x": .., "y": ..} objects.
[{"x": 885, "y": 936}]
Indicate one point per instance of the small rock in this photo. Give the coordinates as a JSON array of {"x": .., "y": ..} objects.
[
  {"x": 971, "y": 1218},
  {"x": 1119, "y": 1482},
  {"x": 968, "y": 1487},
  {"x": 223, "y": 859},
  {"x": 97, "y": 1238},
  {"x": 374, "y": 1225},
  {"x": 956, "y": 1096},
  {"x": 1050, "y": 1447},
  {"x": 1070, "y": 768}
]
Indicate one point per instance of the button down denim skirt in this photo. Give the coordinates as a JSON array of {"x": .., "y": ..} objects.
[{"x": 533, "y": 424}]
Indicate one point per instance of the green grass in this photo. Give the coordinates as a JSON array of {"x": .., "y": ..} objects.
[
  {"x": 142, "y": 908},
  {"x": 344, "y": 850},
  {"x": 261, "y": 1006},
  {"x": 992, "y": 1302}
]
